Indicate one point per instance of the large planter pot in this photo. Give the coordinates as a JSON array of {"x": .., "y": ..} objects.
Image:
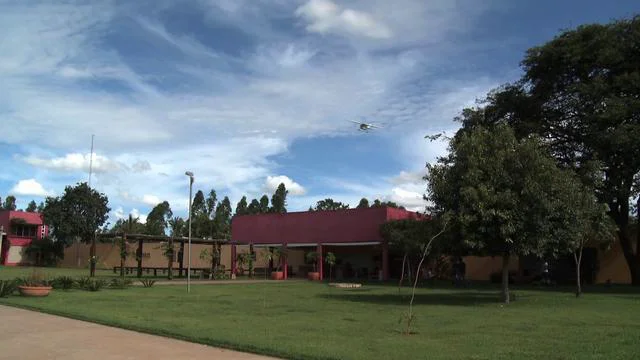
[
  {"x": 313, "y": 276},
  {"x": 38, "y": 291},
  {"x": 277, "y": 275}
]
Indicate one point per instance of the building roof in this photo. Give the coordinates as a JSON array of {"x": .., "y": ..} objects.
[
  {"x": 313, "y": 227},
  {"x": 32, "y": 218}
]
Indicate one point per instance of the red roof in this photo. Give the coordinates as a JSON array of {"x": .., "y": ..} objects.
[
  {"x": 313, "y": 227},
  {"x": 30, "y": 218}
]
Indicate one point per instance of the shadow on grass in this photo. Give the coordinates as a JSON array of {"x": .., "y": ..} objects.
[{"x": 467, "y": 298}]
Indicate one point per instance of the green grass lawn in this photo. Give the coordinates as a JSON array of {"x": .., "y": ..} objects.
[{"x": 305, "y": 320}]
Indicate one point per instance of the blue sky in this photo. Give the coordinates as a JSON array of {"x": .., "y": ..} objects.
[{"x": 250, "y": 93}]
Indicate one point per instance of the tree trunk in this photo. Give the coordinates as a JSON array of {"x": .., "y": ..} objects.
[
  {"x": 621, "y": 217},
  {"x": 139, "y": 252},
  {"x": 578, "y": 260},
  {"x": 505, "y": 278},
  {"x": 213, "y": 261},
  {"x": 404, "y": 260},
  {"x": 93, "y": 256}
]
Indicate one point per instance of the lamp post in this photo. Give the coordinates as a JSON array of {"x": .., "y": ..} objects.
[{"x": 190, "y": 175}]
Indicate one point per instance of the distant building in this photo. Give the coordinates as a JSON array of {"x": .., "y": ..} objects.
[{"x": 20, "y": 229}]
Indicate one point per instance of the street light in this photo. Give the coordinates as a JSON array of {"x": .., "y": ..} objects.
[{"x": 190, "y": 175}]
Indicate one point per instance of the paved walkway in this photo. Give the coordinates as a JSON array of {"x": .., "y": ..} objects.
[{"x": 27, "y": 335}]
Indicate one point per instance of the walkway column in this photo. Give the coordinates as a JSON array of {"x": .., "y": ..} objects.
[
  {"x": 181, "y": 257},
  {"x": 233, "y": 261},
  {"x": 283, "y": 257},
  {"x": 385, "y": 261},
  {"x": 139, "y": 253},
  {"x": 251, "y": 253},
  {"x": 320, "y": 260}
]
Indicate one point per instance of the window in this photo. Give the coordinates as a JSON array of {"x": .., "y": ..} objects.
[{"x": 24, "y": 230}]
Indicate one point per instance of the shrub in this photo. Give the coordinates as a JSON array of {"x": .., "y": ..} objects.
[
  {"x": 118, "y": 283},
  {"x": 83, "y": 282},
  {"x": 45, "y": 252},
  {"x": 147, "y": 282},
  {"x": 63, "y": 282},
  {"x": 7, "y": 287},
  {"x": 35, "y": 279},
  {"x": 95, "y": 284}
]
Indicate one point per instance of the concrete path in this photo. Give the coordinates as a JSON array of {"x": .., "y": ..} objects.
[{"x": 27, "y": 335}]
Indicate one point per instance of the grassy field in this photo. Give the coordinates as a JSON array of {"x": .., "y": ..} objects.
[{"x": 312, "y": 321}]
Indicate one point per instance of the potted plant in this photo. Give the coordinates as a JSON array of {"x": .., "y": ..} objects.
[
  {"x": 272, "y": 255},
  {"x": 312, "y": 257},
  {"x": 35, "y": 285}
]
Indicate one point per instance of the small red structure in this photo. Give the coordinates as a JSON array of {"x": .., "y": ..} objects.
[
  {"x": 20, "y": 229},
  {"x": 319, "y": 230}
]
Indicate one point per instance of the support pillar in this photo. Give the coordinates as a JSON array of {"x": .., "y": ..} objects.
[
  {"x": 139, "y": 253},
  {"x": 320, "y": 260},
  {"x": 233, "y": 261},
  {"x": 252, "y": 260},
  {"x": 385, "y": 261},
  {"x": 181, "y": 257}
]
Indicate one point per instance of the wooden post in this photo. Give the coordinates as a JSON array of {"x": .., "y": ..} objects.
[
  {"x": 181, "y": 257},
  {"x": 233, "y": 260},
  {"x": 283, "y": 258},
  {"x": 170, "y": 275},
  {"x": 123, "y": 248},
  {"x": 385, "y": 261},
  {"x": 139, "y": 252}
]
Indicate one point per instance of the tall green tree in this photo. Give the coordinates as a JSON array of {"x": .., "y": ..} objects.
[
  {"x": 264, "y": 204},
  {"x": 329, "y": 204},
  {"x": 158, "y": 219},
  {"x": 222, "y": 219},
  {"x": 503, "y": 194},
  {"x": 580, "y": 92},
  {"x": 77, "y": 214},
  {"x": 32, "y": 207},
  {"x": 178, "y": 227},
  {"x": 201, "y": 223},
  {"x": 40, "y": 207},
  {"x": 279, "y": 200},
  {"x": 131, "y": 225},
  {"x": 9, "y": 203},
  {"x": 242, "y": 207},
  {"x": 198, "y": 205},
  {"x": 363, "y": 204},
  {"x": 254, "y": 207},
  {"x": 212, "y": 198}
]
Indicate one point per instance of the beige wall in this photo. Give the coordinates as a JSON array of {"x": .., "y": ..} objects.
[
  {"x": 109, "y": 256},
  {"x": 613, "y": 266},
  {"x": 480, "y": 268}
]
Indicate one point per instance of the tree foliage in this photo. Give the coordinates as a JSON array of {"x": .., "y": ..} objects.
[
  {"x": 329, "y": 204},
  {"x": 9, "y": 203},
  {"x": 505, "y": 195},
  {"x": 279, "y": 200},
  {"x": 363, "y": 204},
  {"x": 242, "y": 207},
  {"x": 254, "y": 207},
  {"x": 264, "y": 204},
  {"x": 158, "y": 219},
  {"x": 580, "y": 92},
  {"x": 222, "y": 219},
  {"x": 79, "y": 212},
  {"x": 178, "y": 226},
  {"x": 32, "y": 207}
]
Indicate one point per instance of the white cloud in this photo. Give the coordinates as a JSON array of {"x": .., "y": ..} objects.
[
  {"x": 30, "y": 187},
  {"x": 272, "y": 183},
  {"x": 325, "y": 16},
  {"x": 411, "y": 200},
  {"x": 151, "y": 200},
  {"x": 408, "y": 177},
  {"x": 76, "y": 162},
  {"x": 135, "y": 213}
]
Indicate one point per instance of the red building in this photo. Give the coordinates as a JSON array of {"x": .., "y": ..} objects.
[
  {"x": 20, "y": 229},
  {"x": 353, "y": 235}
]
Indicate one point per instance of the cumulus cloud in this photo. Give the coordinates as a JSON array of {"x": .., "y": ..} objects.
[
  {"x": 119, "y": 214},
  {"x": 272, "y": 183},
  {"x": 325, "y": 16},
  {"x": 76, "y": 162},
  {"x": 151, "y": 200},
  {"x": 409, "y": 199},
  {"x": 408, "y": 177},
  {"x": 30, "y": 187}
]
